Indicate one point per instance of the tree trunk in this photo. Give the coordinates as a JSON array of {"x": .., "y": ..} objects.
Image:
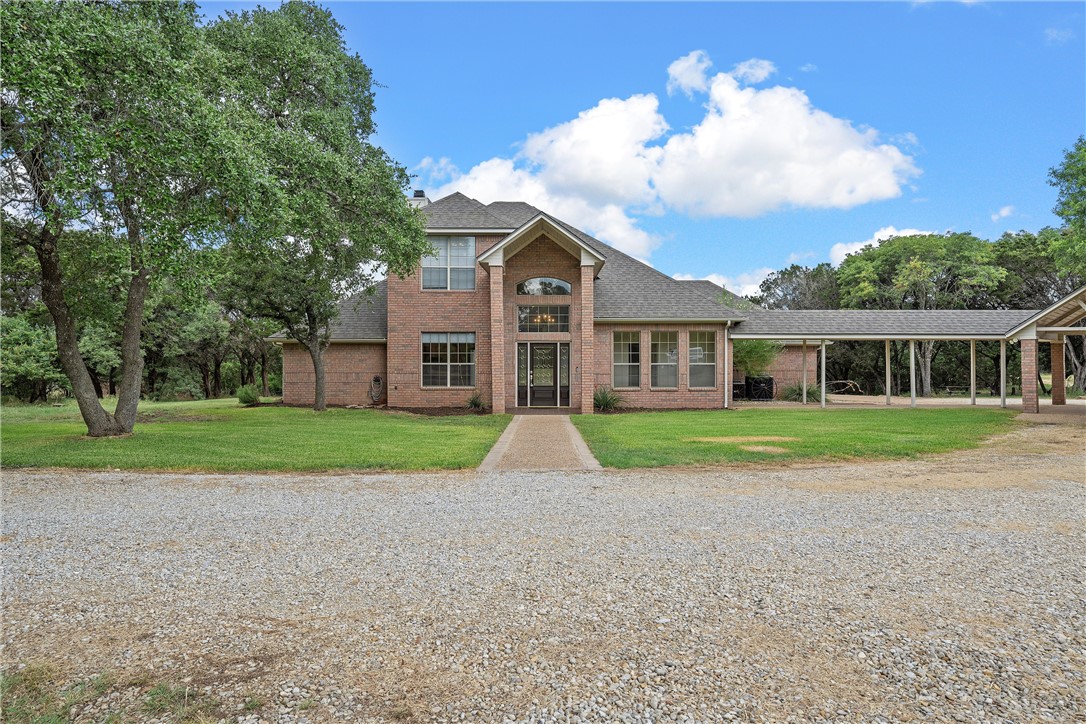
[
  {"x": 99, "y": 422},
  {"x": 1076, "y": 360},
  {"x": 927, "y": 354},
  {"x": 205, "y": 379},
  {"x": 264, "y": 374},
  {"x": 96, "y": 382},
  {"x": 216, "y": 378},
  {"x": 128, "y": 392},
  {"x": 113, "y": 382},
  {"x": 316, "y": 353}
]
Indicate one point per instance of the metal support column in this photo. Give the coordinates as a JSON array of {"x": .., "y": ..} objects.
[
  {"x": 888, "y": 387},
  {"x": 912, "y": 373},
  {"x": 1002, "y": 373},
  {"x": 823, "y": 346},
  {"x": 972, "y": 372},
  {"x": 804, "y": 372}
]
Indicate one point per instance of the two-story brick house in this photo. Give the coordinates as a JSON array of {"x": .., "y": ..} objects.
[{"x": 530, "y": 312}]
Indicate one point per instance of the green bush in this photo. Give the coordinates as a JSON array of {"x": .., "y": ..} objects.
[
  {"x": 754, "y": 356},
  {"x": 249, "y": 395},
  {"x": 475, "y": 402},
  {"x": 793, "y": 393},
  {"x": 606, "y": 400}
]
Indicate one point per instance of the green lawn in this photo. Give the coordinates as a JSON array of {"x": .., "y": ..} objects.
[
  {"x": 653, "y": 439},
  {"x": 220, "y": 435}
]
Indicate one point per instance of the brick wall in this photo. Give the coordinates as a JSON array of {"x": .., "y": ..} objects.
[
  {"x": 1030, "y": 402},
  {"x": 348, "y": 370},
  {"x": 787, "y": 370},
  {"x": 412, "y": 311},
  {"x": 645, "y": 395},
  {"x": 1059, "y": 374}
]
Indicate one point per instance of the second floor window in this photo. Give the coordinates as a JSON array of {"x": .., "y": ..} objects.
[
  {"x": 452, "y": 265},
  {"x": 543, "y": 318}
]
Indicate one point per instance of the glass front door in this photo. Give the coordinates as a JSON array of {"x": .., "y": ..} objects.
[{"x": 542, "y": 374}]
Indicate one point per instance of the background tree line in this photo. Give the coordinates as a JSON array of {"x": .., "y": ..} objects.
[{"x": 175, "y": 190}]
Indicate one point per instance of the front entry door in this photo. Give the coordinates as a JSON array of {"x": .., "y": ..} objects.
[{"x": 543, "y": 374}]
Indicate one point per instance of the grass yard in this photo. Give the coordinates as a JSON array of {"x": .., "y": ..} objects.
[
  {"x": 653, "y": 439},
  {"x": 222, "y": 436}
]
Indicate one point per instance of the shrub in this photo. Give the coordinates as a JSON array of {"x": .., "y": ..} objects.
[
  {"x": 249, "y": 395},
  {"x": 794, "y": 393},
  {"x": 605, "y": 399},
  {"x": 754, "y": 356},
  {"x": 475, "y": 402}
]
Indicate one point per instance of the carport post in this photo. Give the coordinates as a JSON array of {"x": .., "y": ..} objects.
[
  {"x": 887, "y": 372},
  {"x": 823, "y": 345},
  {"x": 912, "y": 372},
  {"x": 1002, "y": 373},
  {"x": 804, "y": 372},
  {"x": 972, "y": 372}
]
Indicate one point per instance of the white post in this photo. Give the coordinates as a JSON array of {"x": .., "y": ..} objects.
[
  {"x": 1002, "y": 373},
  {"x": 912, "y": 373},
  {"x": 972, "y": 372},
  {"x": 804, "y": 372},
  {"x": 888, "y": 372},
  {"x": 823, "y": 345},
  {"x": 727, "y": 371}
]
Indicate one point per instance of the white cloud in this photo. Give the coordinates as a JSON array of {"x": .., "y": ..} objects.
[
  {"x": 1003, "y": 213},
  {"x": 689, "y": 73},
  {"x": 744, "y": 284},
  {"x": 1058, "y": 36},
  {"x": 838, "y": 252},
  {"x": 760, "y": 150},
  {"x": 754, "y": 70},
  {"x": 754, "y": 151},
  {"x": 808, "y": 68},
  {"x": 797, "y": 256}
]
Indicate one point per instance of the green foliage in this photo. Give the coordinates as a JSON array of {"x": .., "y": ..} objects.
[
  {"x": 249, "y": 395},
  {"x": 606, "y": 399},
  {"x": 793, "y": 392},
  {"x": 38, "y": 694},
  {"x": 800, "y": 287},
  {"x": 1070, "y": 179},
  {"x": 28, "y": 359},
  {"x": 655, "y": 439},
  {"x": 475, "y": 402},
  {"x": 753, "y": 356},
  {"x": 220, "y": 436}
]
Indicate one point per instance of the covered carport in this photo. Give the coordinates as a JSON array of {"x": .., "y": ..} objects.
[
  {"x": 1049, "y": 326},
  {"x": 814, "y": 328}
]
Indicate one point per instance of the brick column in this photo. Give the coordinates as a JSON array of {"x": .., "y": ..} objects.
[
  {"x": 1029, "y": 376},
  {"x": 497, "y": 340},
  {"x": 1059, "y": 374},
  {"x": 588, "y": 337}
]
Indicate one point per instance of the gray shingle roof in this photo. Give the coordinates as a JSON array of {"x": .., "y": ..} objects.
[
  {"x": 457, "y": 211},
  {"x": 716, "y": 291},
  {"x": 363, "y": 316},
  {"x": 918, "y": 324}
]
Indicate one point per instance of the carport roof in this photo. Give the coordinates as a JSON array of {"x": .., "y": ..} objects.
[{"x": 816, "y": 324}]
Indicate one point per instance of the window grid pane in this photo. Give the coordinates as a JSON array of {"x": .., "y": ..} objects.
[
  {"x": 543, "y": 286},
  {"x": 539, "y": 318},
  {"x": 452, "y": 266},
  {"x": 627, "y": 360},
  {"x": 664, "y": 371},
  {"x": 702, "y": 350},
  {"x": 448, "y": 360}
]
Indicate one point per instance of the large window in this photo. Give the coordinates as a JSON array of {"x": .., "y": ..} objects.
[
  {"x": 702, "y": 359},
  {"x": 542, "y": 318},
  {"x": 543, "y": 286},
  {"x": 448, "y": 359},
  {"x": 453, "y": 264},
  {"x": 665, "y": 359},
  {"x": 627, "y": 360}
]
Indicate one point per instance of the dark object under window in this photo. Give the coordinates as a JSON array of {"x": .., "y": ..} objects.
[{"x": 760, "y": 388}]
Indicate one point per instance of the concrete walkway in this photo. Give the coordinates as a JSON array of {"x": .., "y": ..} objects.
[{"x": 540, "y": 442}]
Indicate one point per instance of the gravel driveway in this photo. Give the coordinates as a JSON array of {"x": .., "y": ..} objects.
[{"x": 944, "y": 589}]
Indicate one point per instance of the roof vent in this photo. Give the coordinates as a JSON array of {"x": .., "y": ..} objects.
[{"x": 419, "y": 199}]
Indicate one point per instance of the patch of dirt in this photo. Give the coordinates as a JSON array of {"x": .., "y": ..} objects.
[
  {"x": 771, "y": 449},
  {"x": 744, "y": 438}
]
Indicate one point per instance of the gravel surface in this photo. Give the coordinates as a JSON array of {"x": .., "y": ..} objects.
[{"x": 945, "y": 589}]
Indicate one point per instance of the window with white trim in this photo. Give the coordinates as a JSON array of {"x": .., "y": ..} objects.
[
  {"x": 664, "y": 361},
  {"x": 448, "y": 359},
  {"x": 702, "y": 348},
  {"x": 452, "y": 265},
  {"x": 626, "y": 364}
]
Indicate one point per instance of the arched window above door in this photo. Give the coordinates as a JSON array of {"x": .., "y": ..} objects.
[{"x": 544, "y": 286}]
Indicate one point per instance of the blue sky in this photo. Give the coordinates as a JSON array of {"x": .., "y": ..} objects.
[{"x": 728, "y": 139}]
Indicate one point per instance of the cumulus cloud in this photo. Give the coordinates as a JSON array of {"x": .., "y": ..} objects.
[
  {"x": 745, "y": 284},
  {"x": 1003, "y": 213},
  {"x": 1058, "y": 36},
  {"x": 808, "y": 68},
  {"x": 689, "y": 73},
  {"x": 754, "y": 70},
  {"x": 755, "y": 150},
  {"x": 838, "y": 252}
]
